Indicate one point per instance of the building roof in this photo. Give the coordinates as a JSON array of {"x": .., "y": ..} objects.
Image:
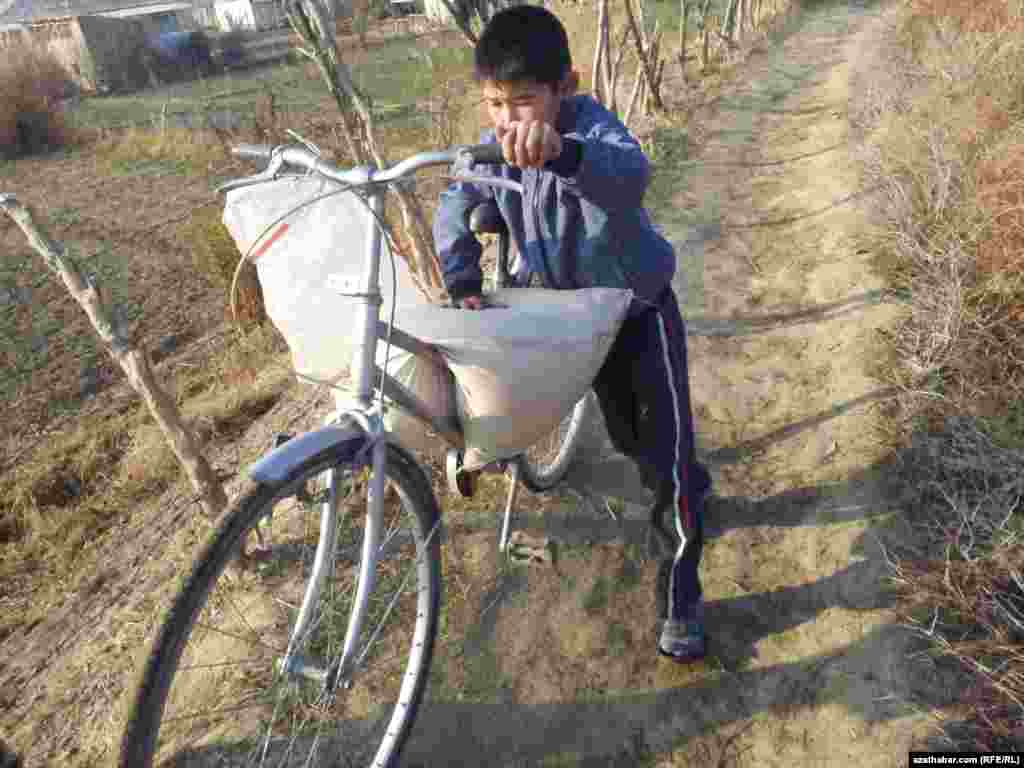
[{"x": 15, "y": 11}]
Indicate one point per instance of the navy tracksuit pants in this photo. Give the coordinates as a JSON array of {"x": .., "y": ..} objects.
[{"x": 644, "y": 391}]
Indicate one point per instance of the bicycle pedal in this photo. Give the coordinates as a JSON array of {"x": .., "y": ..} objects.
[{"x": 531, "y": 550}]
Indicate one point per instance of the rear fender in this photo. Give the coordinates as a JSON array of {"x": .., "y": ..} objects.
[{"x": 279, "y": 463}]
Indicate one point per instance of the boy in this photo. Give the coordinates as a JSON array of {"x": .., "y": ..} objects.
[{"x": 580, "y": 223}]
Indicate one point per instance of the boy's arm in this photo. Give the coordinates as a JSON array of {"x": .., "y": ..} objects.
[
  {"x": 607, "y": 167},
  {"x": 457, "y": 247}
]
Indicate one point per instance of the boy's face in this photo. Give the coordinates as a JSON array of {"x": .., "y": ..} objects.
[{"x": 526, "y": 101}]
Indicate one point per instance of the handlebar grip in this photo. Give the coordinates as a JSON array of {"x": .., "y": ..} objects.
[
  {"x": 257, "y": 151},
  {"x": 487, "y": 154}
]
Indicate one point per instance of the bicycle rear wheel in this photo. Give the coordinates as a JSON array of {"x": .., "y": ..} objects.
[
  {"x": 545, "y": 464},
  {"x": 212, "y": 692}
]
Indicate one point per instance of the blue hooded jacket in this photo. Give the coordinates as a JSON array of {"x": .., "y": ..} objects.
[{"x": 580, "y": 221}]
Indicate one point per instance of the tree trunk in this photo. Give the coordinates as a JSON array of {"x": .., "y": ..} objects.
[
  {"x": 614, "y": 84},
  {"x": 133, "y": 361},
  {"x": 706, "y": 29},
  {"x": 649, "y": 66},
  {"x": 598, "y": 85},
  {"x": 308, "y": 20},
  {"x": 658, "y": 71},
  {"x": 684, "y": 13},
  {"x": 460, "y": 11},
  {"x": 637, "y": 86},
  {"x": 729, "y": 23},
  {"x": 606, "y": 62},
  {"x": 466, "y": 13}
]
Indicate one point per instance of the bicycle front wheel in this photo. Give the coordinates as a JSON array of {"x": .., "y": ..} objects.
[
  {"x": 213, "y": 692},
  {"x": 545, "y": 464}
]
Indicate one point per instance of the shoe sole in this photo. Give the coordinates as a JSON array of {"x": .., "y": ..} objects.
[{"x": 682, "y": 659}]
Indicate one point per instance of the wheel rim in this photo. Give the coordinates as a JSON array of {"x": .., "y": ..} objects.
[{"x": 230, "y": 702}]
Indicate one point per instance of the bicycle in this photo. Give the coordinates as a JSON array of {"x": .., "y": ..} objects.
[{"x": 274, "y": 647}]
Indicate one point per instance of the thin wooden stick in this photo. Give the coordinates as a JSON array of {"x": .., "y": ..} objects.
[{"x": 107, "y": 320}]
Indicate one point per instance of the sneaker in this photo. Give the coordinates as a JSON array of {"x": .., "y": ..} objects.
[{"x": 683, "y": 641}]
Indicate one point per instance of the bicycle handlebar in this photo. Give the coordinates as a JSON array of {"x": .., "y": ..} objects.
[
  {"x": 254, "y": 151},
  {"x": 291, "y": 154},
  {"x": 487, "y": 154},
  {"x": 484, "y": 154}
]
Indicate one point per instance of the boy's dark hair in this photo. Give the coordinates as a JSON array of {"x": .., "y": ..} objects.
[{"x": 522, "y": 43}]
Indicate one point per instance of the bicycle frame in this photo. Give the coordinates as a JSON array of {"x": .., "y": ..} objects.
[{"x": 369, "y": 331}]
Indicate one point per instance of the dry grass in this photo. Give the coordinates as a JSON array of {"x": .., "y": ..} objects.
[
  {"x": 948, "y": 153},
  {"x": 80, "y": 483},
  {"x": 173, "y": 150},
  {"x": 962, "y": 578},
  {"x": 32, "y": 82},
  {"x": 950, "y": 227},
  {"x": 215, "y": 256}
]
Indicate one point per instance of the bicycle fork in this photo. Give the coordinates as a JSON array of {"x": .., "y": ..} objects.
[
  {"x": 330, "y": 672},
  {"x": 366, "y": 293}
]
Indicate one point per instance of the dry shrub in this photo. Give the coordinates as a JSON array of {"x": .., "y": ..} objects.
[
  {"x": 580, "y": 22},
  {"x": 945, "y": 170},
  {"x": 961, "y": 578},
  {"x": 192, "y": 151},
  {"x": 1000, "y": 191},
  {"x": 32, "y": 83},
  {"x": 988, "y": 118},
  {"x": 971, "y": 15},
  {"x": 215, "y": 256},
  {"x": 950, "y": 163}
]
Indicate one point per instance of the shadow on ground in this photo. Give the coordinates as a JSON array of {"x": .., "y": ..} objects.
[
  {"x": 730, "y": 688},
  {"x": 620, "y": 729}
]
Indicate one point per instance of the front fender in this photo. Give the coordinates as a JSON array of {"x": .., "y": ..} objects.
[{"x": 279, "y": 463}]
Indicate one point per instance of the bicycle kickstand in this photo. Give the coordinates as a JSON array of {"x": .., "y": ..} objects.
[{"x": 517, "y": 546}]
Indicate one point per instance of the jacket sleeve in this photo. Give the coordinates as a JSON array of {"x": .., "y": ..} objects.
[
  {"x": 612, "y": 171},
  {"x": 457, "y": 247}
]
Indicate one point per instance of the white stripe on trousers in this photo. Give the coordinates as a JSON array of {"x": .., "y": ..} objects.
[{"x": 677, "y": 490}]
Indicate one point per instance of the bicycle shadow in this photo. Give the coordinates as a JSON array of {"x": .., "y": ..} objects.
[
  {"x": 865, "y": 677},
  {"x": 620, "y": 730},
  {"x": 600, "y": 473},
  {"x": 617, "y": 730},
  {"x": 870, "y": 677}
]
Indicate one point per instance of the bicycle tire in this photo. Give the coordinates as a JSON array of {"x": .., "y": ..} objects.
[
  {"x": 165, "y": 680},
  {"x": 545, "y": 465}
]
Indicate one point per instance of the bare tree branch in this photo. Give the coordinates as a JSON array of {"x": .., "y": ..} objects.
[
  {"x": 684, "y": 13},
  {"x": 706, "y": 29},
  {"x": 597, "y": 85},
  {"x": 614, "y": 85},
  {"x": 643, "y": 54},
  {"x": 109, "y": 326},
  {"x": 310, "y": 22}
]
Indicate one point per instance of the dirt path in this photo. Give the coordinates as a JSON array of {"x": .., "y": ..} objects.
[{"x": 807, "y": 664}]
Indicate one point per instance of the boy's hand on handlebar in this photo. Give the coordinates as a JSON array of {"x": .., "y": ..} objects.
[
  {"x": 529, "y": 143},
  {"x": 472, "y": 302}
]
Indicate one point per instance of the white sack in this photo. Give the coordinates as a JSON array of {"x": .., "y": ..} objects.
[
  {"x": 298, "y": 259},
  {"x": 425, "y": 379},
  {"x": 520, "y": 369}
]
